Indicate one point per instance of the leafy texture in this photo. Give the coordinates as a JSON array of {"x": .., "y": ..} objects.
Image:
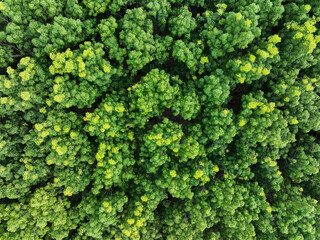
[{"x": 159, "y": 119}]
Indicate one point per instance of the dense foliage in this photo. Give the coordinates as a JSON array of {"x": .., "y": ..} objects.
[{"x": 159, "y": 119}]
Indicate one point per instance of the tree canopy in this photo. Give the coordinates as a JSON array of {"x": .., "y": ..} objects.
[{"x": 159, "y": 119}]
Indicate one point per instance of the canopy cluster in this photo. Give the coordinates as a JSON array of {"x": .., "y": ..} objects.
[{"x": 159, "y": 119}]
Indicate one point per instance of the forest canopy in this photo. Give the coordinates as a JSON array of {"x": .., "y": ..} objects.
[{"x": 159, "y": 119}]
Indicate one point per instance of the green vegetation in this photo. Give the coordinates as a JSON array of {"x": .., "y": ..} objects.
[{"x": 159, "y": 119}]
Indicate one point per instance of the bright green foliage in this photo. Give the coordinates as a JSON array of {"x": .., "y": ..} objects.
[
  {"x": 227, "y": 31},
  {"x": 107, "y": 28},
  {"x": 182, "y": 53},
  {"x": 100, "y": 216},
  {"x": 159, "y": 143},
  {"x": 159, "y": 119},
  {"x": 269, "y": 11},
  {"x": 114, "y": 155},
  {"x": 187, "y": 104},
  {"x": 297, "y": 95},
  {"x": 90, "y": 75},
  {"x": 18, "y": 170},
  {"x": 38, "y": 10},
  {"x": 49, "y": 208},
  {"x": 218, "y": 126},
  {"x": 96, "y": 7},
  {"x": 303, "y": 158},
  {"x": 263, "y": 120},
  {"x": 303, "y": 40},
  {"x": 109, "y": 120},
  {"x": 182, "y": 24},
  {"x": 151, "y": 96},
  {"x": 215, "y": 88},
  {"x": 300, "y": 221},
  {"x": 55, "y": 36},
  {"x": 137, "y": 38},
  {"x": 258, "y": 62},
  {"x": 159, "y": 10},
  {"x": 25, "y": 87}
]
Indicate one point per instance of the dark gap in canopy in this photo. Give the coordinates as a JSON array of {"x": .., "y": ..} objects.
[
  {"x": 236, "y": 94},
  {"x": 315, "y": 134}
]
